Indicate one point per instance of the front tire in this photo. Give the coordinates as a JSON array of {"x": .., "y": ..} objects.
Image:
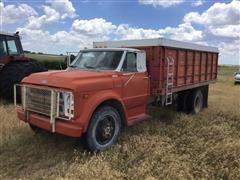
[{"x": 104, "y": 129}]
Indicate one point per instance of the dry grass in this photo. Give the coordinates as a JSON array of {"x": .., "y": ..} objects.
[{"x": 169, "y": 146}]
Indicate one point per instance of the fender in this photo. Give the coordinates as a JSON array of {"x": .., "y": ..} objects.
[{"x": 91, "y": 104}]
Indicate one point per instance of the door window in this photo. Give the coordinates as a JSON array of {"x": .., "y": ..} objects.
[
  {"x": 130, "y": 62},
  {"x": 12, "y": 48},
  {"x": 3, "y": 48}
]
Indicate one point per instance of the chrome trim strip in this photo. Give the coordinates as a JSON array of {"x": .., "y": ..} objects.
[{"x": 132, "y": 76}]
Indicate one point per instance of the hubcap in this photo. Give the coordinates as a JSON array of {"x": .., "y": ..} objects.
[{"x": 105, "y": 130}]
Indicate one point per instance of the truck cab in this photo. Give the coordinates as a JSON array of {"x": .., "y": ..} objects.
[{"x": 102, "y": 90}]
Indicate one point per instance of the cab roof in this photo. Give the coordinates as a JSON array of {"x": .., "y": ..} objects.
[
  {"x": 111, "y": 49},
  {"x": 8, "y": 34}
]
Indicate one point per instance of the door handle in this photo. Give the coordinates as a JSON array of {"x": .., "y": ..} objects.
[{"x": 146, "y": 77}]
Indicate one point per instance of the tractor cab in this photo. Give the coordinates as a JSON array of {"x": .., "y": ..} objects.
[
  {"x": 10, "y": 48},
  {"x": 10, "y": 45},
  {"x": 13, "y": 65}
]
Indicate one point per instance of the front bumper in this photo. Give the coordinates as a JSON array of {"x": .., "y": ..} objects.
[{"x": 66, "y": 128}]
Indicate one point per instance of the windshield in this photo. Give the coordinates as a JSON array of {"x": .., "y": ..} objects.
[{"x": 99, "y": 60}]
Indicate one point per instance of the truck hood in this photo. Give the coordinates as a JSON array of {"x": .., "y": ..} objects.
[{"x": 73, "y": 79}]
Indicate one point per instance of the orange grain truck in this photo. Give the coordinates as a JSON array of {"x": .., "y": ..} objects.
[{"x": 109, "y": 86}]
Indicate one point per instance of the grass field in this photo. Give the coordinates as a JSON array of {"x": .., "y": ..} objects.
[
  {"x": 169, "y": 146},
  {"x": 45, "y": 57}
]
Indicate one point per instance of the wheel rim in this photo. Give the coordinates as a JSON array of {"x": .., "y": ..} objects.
[{"x": 105, "y": 130}]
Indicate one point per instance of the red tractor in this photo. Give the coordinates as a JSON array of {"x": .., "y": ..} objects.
[{"x": 13, "y": 65}]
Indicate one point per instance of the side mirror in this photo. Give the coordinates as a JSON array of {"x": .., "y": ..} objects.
[
  {"x": 71, "y": 57},
  {"x": 141, "y": 61}
]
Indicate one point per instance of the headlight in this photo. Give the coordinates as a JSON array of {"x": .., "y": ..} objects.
[{"x": 65, "y": 105}]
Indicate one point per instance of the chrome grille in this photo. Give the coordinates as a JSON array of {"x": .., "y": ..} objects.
[
  {"x": 38, "y": 100},
  {"x": 44, "y": 100}
]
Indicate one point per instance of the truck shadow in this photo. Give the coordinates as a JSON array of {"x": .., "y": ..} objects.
[
  {"x": 165, "y": 115},
  {"x": 161, "y": 118},
  {"x": 5, "y": 102}
]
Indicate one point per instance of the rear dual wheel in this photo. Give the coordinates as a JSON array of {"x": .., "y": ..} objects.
[
  {"x": 191, "y": 102},
  {"x": 197, "y": 102}
]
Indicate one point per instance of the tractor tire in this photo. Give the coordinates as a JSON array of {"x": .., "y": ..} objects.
[
  {"x": 13, "y": 73},
  {"x": 104, "y": 129}
]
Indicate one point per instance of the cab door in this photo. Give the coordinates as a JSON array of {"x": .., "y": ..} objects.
[{"x": 135, "y": 85}]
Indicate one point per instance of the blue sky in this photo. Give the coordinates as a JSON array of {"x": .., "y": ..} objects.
[{"x": 57, "y": 26}]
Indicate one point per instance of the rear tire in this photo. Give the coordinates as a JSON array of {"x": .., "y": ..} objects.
[
  {"x": 104, "y": 129},
  {"x": 13, "y": 73},
  {"x": 197, "y": 102}
]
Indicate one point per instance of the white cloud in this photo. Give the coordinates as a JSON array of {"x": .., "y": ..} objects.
[
  {"x": 185, "y": 32},
  {"x": 55, "y": 12},
  {"x": 51, "y": 15},
  {"x": 83, "y": 32},
  {"x": 231, "y": 47},
  {"x": 230, "y": 52},
  {"x": 35, "y": 22},
  {"x": 93, "y": 27},
  {"x": 11, "y": 14},
  {"x": 230, "y": 31},
  {"x": 163, "y": 3},
  {"x": 63, "y": 7},
  {"x": 217, "y": 15},
  {"x": 197, "y": 3},
  {"x": 58, "y": 42},
  {"x": 124, "y": 31}
]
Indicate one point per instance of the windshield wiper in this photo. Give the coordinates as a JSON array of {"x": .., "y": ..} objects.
[
  {"x": 89, "y": 67},
  {"x": 73, "y": 66}
]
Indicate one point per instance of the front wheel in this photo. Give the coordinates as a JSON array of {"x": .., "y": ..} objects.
[{"x": 104, "y": 129}]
